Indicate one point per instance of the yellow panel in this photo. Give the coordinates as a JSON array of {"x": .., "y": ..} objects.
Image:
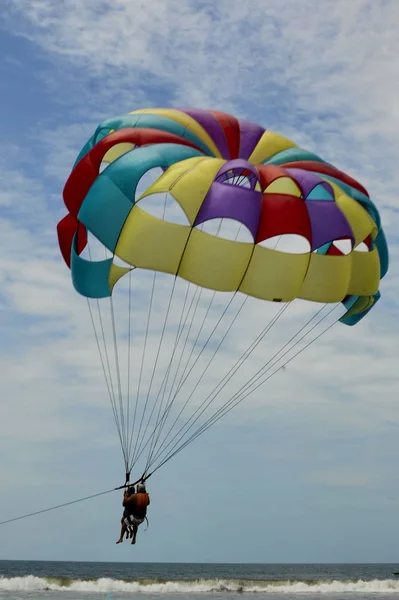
[
  {"x": 115, "y": 273},
  {"x": 359, "y": 220},
  {"x": 151, "y": 243},
  {"x": 213, "y": 262},
  {"x": 165, "y": 182},
  {"x": 189, "y": 186},
  {"x": 283, "y": 185},
  {"x": 365, "y": 274},
  {"x": 183, "y": 119},
  {"x": 360, "y": 305},
  {"x": 274, "y": 275},
  {"x": 270, "y": 144},
  {"x": 327, "y": 279},
  {"x": 117, "y": 151}
]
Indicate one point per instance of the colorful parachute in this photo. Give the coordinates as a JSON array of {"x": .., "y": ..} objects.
[{"x": 218, "y": 167}]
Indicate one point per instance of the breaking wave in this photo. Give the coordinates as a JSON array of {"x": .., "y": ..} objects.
[{"x": 31, "y": 583}]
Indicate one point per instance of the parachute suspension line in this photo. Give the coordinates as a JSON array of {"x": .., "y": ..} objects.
[
  {"x": 221, "y": 411},
  {"x": 132, "y": 456},
  {"x": 237, "y": 399},
  {"x": 196, "y": 340},
  {"x": 112, "y": 400},
  {"x": 163, "y": 410},
  {"x": 183, "y": 380},
  {"x": 128, "y": 371},
  {"x": 201, "y": 376},
  {"x": 159, "y": 418},
  {"x": 214, "y": 393},
  {"x": 153, "y": 370},
  {"x": 172, "y": 398},
  {"x": 109, "y": 382},
  {"x": 273, "y": 361},
  {"x": 110, "y": 377},
  {"x": 160, "y": 422},
  {"x": 184, "y": 377},
  {"x": 131, "y": 462},
  {"x": 214, "y": 419},
  {"x": 118, "y": 378},
  {"x": 142, "y": 447}
]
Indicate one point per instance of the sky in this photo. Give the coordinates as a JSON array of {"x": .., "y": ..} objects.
[{"x": 303, "y": 470}]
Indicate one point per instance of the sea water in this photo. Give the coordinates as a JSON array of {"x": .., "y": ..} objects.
[{"x": 41, "y": 580}]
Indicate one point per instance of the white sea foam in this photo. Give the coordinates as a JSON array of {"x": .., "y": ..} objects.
[{"x": 30, "y": 583}]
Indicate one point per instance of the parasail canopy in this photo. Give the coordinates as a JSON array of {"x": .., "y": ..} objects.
[{"x": 311, "y": 232}]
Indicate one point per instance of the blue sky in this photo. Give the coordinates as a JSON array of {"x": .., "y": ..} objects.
[{"x": 306, "y": 468}]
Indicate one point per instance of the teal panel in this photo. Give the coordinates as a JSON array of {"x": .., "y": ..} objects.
[
  {"x": 354, "y": 319},
  {"x": 319, "y": 192},
  {"x": 86, "y": 148},
  {"x": 128, "y": 169},
  {"x": 153, "y": 122},
  {"x": 111, "y": 196},
  {"x": 104, "y": 210},
  {"x": 90, "y": 279},
  {"x": 364, "y": 200},
  {"x": 324, "y": 249},
  {"x": 293, "y": 155},
  {"x": 380, "y": 243}
]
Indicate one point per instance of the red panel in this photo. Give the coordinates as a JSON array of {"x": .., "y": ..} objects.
[
  {"x": 231, "y": 130},
  {"x": 66, "y": 230},
  {"x": 269, "y": 173},
  {"x": 311, "y": 165},
  {"x": 368, "y": 241},
  {"x": 282, "y": 214},
  {"x": 334, "y": 251},
  {"x": 87, "y": 169}
]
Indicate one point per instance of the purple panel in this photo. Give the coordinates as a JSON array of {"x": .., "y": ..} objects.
[
  {"x": 328, "y": 223},
  {"x": 232, "y": 202},
  {"x": 329, "y": 188},
  {"x": 237, "y": 163},
  {"x": 307, "y": 181},
  {"x": 250, "y": 134},
  {"x": 211, "y": 126}
]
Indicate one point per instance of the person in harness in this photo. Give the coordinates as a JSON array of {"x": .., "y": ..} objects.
[
  {"x": 135, "y": 511},
  {"x": 137, "y": 507},
  {"x": 125, "y": 520}
]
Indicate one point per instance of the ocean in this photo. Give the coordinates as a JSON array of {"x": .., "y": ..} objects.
[{"x": 42, "y": 580}]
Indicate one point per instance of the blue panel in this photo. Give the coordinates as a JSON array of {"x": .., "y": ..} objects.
[{"x": 90, "y": 278}]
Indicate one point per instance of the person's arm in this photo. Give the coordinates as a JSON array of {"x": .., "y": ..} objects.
[{"x": 128, "y": 500}]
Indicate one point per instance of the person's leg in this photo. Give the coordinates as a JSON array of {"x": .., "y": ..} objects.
[
  {"x": 135, "y": 528},
  {"x": 123, "y": 531}
]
